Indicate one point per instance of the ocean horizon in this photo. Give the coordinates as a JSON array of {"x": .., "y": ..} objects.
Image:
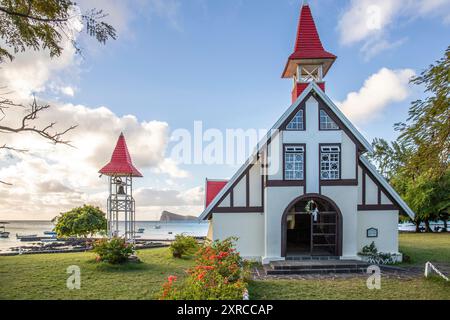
[{"x": 153, "y": 230}]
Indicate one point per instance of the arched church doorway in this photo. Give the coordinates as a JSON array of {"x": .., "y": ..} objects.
[{"x": 311, "y": 226}]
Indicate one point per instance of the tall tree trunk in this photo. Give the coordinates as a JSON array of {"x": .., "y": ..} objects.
[
  {"x": 417, "y": 223},
  {"x": 427, "y": 226}
]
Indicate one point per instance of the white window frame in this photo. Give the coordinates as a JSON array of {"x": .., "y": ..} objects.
[
  {"x": 330, "y": 168},
  {"x": 291, "y": 154},
  {"x": 325, "y": 121},
  {"x": 298, "y": 122}
]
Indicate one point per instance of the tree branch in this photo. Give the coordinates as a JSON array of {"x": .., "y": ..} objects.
[{"x": 28, "y": 16}]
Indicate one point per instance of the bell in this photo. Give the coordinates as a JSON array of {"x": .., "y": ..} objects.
[{"x": 121, "y": 190}]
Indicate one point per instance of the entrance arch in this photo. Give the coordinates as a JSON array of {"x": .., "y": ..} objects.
[{"x": 304, "y": 234}]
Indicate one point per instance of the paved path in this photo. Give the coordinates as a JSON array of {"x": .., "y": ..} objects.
[{"x": 409, "y": 272}]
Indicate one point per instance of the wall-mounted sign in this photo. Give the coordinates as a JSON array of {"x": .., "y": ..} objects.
[{"x": 372, "y": 233}]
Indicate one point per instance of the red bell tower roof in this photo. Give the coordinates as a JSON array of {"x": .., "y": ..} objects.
[
  {"x": 120, "y": 164},
  {"x": 307, "y": 45}
]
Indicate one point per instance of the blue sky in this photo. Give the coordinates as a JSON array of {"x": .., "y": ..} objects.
[
  {"x": 225, "y": 58},
  {"x": 220, "y": 61}
]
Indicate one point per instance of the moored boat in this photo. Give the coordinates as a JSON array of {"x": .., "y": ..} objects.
[
  {"x": 21, "y": 236},
  {"x": 3, "y": 233}
]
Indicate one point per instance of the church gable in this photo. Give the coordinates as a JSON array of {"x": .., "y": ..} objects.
[{"x": 244, "y": 194}]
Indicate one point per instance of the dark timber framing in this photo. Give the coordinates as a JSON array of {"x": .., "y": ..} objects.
[
  {"x": 381, "y": 190},
  {"x": 247, "y": 209}
]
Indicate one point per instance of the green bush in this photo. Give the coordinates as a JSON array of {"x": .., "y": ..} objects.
[
  {"x": 113, "y": 251},
  {"x": 80, "y": 222},
  {"x": 218, "y": 275},
  {"x": 183, "y": 245}
]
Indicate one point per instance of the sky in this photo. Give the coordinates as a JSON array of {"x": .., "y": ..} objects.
[{"x": 218, "y": 63}]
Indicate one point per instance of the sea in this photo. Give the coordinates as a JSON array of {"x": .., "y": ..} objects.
[{"x": 153, "y": 230}]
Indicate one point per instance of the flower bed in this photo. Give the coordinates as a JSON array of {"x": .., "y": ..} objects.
[{"x": 219, "y": 274}]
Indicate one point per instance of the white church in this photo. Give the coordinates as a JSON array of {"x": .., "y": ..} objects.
[{"x": 308, "y": 189}]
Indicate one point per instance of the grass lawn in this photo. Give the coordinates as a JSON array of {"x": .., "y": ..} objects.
[
  {"x": 44, "y": 277},
  {"x": 423, "y": 247}
]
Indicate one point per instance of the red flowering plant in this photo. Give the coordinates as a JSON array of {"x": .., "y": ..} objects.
[{"x": 217, "y": 275}]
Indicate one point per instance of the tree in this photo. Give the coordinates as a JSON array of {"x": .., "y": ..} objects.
[
  {"x": 427, "y": 129},
  {"x": 41, "y": 25},
  {"x": 80, "y": 222},
  {"x": 417, "y": 163}
]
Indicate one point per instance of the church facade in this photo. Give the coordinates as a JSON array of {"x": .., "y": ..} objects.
[{"x": 308, "y": 189}]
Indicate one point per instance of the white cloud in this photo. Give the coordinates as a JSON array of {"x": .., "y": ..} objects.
[
  {"x": 369, "y": 21},
  {"x": 378, "y": 92}
]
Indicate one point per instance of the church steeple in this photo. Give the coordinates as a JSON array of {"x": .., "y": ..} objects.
[{"x": 310, "y": 61}]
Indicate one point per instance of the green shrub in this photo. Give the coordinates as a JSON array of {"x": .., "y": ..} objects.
[
  {"x": 373, "y": 256},
  {"x": 113, "y": 251},
  {"x": 218, "y": 275},
  {"x": 183, "y": 245},
  {"x": 80, "y": 222}
]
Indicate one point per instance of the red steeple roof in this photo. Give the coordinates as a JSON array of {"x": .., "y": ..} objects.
[
  {"x": 120, "y": 164},
  {"x": 307, "y": 44}
]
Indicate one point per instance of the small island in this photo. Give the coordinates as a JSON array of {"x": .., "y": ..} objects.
[{"x": 167, "y": 216}]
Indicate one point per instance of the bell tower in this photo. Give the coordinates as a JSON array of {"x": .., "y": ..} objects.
[
  {"x": 121, "y": 205},
  {"x": 309, "y": 62}
]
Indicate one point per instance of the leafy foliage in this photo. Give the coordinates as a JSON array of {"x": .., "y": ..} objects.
[
  {"x": 42, "y": 24},
  {"x": 417, "y": 164},
  {"x": 113, "y": 251},
  {"x": 183, "y": 245},
  {"x": 219, "y": 274},
  {"x": 373, "y": 256},
  {"x": 82, "y": 221},
  {"x": 427, "y": 130}
]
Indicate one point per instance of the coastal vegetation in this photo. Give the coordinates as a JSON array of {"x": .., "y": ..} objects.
[
  {"x": 44, "y": 276},
  {"x": 183, "y": 245},
  {"x": 417, "y": 164},
  {"x": 81, "y": 222}
]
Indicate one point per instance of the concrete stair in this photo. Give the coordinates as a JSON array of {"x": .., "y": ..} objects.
[{"x": 315, "y": 267}]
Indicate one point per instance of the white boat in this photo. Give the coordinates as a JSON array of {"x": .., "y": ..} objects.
[
  {"x": 3, "y": 233},
  {"x": 49, "y": 240},
  {"x": 157, "y": 226},
  {"x": 21, "y": 236}
]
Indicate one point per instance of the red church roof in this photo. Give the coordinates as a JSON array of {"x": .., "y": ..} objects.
[
  {"x": 308, "y": 44},
  {"x": 120, "y": 164},
  {"x": 213, "y": 187}
]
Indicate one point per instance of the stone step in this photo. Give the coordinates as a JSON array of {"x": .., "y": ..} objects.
[
  {"x": 309, "y": 258},
  {"x": 315, "y": 271},
  {"x": 316, "y": 266}
]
